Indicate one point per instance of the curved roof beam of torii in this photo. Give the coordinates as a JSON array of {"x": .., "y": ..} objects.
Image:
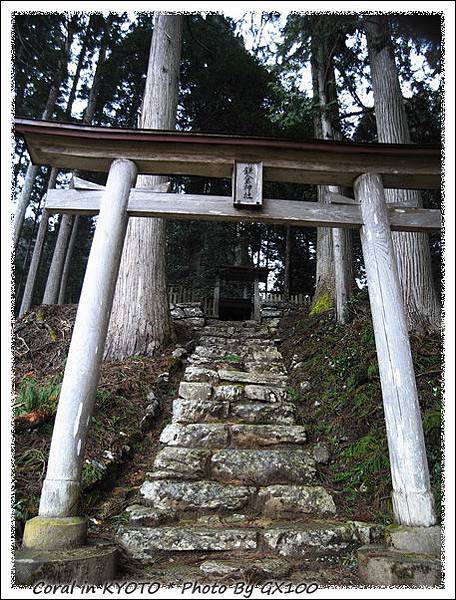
[{"x": 212, "y": 155}]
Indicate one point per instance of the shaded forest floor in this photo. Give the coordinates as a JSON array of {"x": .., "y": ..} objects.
[
  {"x": 122, "y": 440},
  {"x": 334, "y": 380}
]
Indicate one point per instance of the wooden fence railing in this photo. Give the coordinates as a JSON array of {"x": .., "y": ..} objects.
[{"x": 178, "y": 294}]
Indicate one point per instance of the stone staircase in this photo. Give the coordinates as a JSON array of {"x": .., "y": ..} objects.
[{"x": 236, "y": 476}]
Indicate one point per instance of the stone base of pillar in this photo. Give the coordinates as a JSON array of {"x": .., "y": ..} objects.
[
  {"x": 94, "y": 564},
  {"x": 411, "y": 557},
  {"x": 55, "y": 533},
  {"x": 419, "y": 540},
  {"x": 381, "y": 566}
]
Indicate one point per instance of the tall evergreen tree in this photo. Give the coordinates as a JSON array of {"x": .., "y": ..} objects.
[
  {"x": 59, "y": 269},
  {"x": 412, "y": 249},
  {"x": 56, "y": 80},
  {"x": 140, "y": 320},
  {"x": 317, "y": 39}
]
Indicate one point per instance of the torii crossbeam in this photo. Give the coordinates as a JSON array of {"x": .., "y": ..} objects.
[{"x": 365, "y": 167}]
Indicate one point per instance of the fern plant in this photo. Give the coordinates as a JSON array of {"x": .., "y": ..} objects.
[{"x": 33, "y": 395}]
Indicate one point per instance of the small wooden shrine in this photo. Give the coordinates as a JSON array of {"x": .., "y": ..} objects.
[{"x": 230, "y": 307}]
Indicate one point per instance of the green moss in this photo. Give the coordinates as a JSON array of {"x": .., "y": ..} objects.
[
  {"x": 294, "y": 394},
  {"x": 50, "y": 522},
  {"x": 55, "y": 533},
  {"x": 233, "y": 358},
  {"x": 321, "y": 304},
  {"x": 395, "y": 527}
]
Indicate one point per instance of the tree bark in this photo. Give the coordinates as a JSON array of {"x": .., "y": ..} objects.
[
  {"x": 140, "y": 320},
  {"x": 89, "y": 112},
  {"x": 66, "y": 265},
  {"x": 32, "y": 170},
  {"x": 18, "y": 283},
  {"x": 24, "y": 200},
  {"x": 343, "y": 272},
  {"x": 324, "y": 275},
  {"x": 77, "y": 74},
  {"x": 342, "y": 239},
  {"x": 287, "y": 274},
  {"x": 412, "y": 249},
  {"x": 333, "y": 283},
  {"x": 38, "y": 211},
  {"x": 17, "y": 167},
  {"x": 37, "y": 250},
  {"x": 64, "y": 246},
  {"x": 51, "y": 291}
]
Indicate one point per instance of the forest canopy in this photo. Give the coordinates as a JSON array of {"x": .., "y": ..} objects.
[{"x": 254, "y": 75}]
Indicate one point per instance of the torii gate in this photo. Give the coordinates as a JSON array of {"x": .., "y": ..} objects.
[{"x": 368, "y": 168}]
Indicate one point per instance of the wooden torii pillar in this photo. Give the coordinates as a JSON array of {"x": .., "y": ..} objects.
[
  {"x": 61, "y": 489},
  {"x": 366, "y": 167},
  {"x": 413, "y": 502}
]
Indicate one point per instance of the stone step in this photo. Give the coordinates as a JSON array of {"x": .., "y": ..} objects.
[
  {"x": 181, "y": 463},
  {"x": 195, "y": 390},
  {"x": 271, "y": 569},
  {"x": 189, "y": 572},
  {"x": 201, "y": 496},
  {"x": 210, "y": 332},
  {"x": 265, "y": 367},
  {"x": 265, "y": 378},
  {"x": 222, "y": 435},
  {"x": 310, "y": 539},
  {"x": 196, "y": 435},
  {"x": 258, "y": 393},
  {"x": 200, "y": 361},
  {"x": 205, "y": 497},
  {"x": 234, "y": 349},
  {"x": 229, "y": 392},
  {"x": 268, "y": 353},
  {"x": 265, "y": 393},
  {"x": 236, "y": 343},
  {"x": 262, "y": 334},
  {"x": 255, "y": 368},
  {"x": 199, "y": 411},
  {"x": 143, "y": 542},
  {"x": 319, "y": 538},
  {"x": 291, "y": 500},
  {"x": 263, "y": 467},
  {"x": 212, "y": 411},
  {"x": 251, "y": 436},
  {"x": 147, "y": 516},
  {"x": 200, "y": 374},
  {"x": 231, "y": 465},
  {"x": 218, "y": 351},
  {"x": 384, "y": 566},
  {"x": 231, "y": 358},
  {"x": 417, "y": 540},
  {"x": 257, "y": 412}
]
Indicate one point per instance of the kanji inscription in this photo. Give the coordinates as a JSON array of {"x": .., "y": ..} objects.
[{"x": 248, "y": 184}]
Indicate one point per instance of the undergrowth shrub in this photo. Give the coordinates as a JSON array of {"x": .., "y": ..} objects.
[{"x": 33, "y": 395}]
